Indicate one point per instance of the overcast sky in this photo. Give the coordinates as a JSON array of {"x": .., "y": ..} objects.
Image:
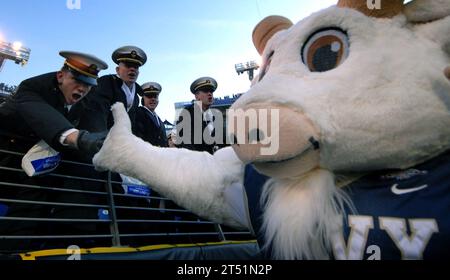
[{"x": 183, "y": 39}]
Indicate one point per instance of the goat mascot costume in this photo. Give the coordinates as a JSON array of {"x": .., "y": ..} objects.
[{"x": 361, "y": 100}]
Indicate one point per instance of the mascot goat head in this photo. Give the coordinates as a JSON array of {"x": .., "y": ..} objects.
[
  {"x": 346, "y": 91},
  {"x": 370, "y": 90},
  {"x": 355, "y": 90}
]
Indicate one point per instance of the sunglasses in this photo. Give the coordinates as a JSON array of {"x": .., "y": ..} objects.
[{"x": 151, "y": 95}]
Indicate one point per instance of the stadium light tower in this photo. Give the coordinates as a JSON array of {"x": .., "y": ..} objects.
[
  {"x": 249, "y": 67},
  {"x": 13, "y": 51}
]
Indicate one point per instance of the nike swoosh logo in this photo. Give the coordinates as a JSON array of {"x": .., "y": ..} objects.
[{"x": 398, "y": 191}]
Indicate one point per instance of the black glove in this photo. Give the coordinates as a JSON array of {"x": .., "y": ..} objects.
[{"x": 90, "y": 143}]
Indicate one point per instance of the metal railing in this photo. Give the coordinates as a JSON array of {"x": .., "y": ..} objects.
[{"x": 75, "y": 205}]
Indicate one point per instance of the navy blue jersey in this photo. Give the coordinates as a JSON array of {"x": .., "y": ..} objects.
[{"x": 399, "y": 214}]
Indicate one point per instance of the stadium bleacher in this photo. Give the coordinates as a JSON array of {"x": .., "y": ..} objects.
[{"x": 75, "y": 209}]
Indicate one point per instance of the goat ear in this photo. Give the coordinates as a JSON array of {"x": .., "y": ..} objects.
[
  {"x": 266, "y": 28},
  {"x": 436, "y": 15},
  {"x": 420, "y": 11}
]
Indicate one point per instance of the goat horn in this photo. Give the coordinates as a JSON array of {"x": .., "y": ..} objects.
[{"x": 266, "y": 28}]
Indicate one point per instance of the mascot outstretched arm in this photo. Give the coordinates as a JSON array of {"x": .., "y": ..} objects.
[
  {"x": 356, "y": 101},
  {"x": 194, "y": 180}
]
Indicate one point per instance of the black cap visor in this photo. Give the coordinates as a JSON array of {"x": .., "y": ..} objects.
[{"x": 206, "y": 89}]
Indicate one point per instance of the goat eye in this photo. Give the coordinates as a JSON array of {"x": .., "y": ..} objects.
[{"x": 325, "y": 49}]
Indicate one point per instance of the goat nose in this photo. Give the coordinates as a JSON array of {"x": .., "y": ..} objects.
[{"x": 269, "y": 132}]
